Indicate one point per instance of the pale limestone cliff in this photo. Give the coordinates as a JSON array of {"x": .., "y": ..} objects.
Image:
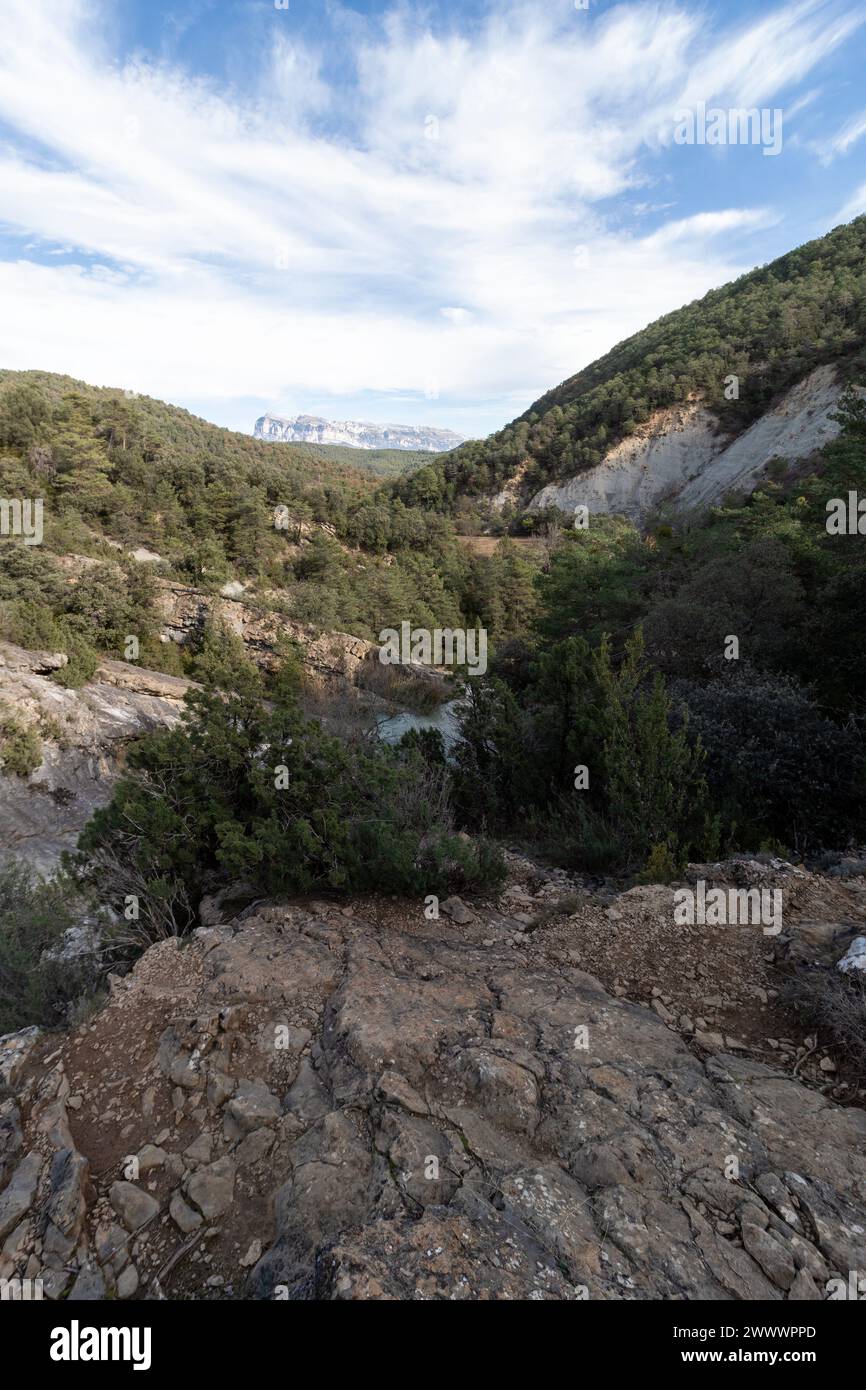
[
  {"x": 357, "y": 434},
  {"x": 681, "y": 457}
]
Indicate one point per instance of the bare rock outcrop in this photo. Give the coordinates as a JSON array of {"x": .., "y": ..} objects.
[
  {"x": 326, "y": 656},
  {"x": 83, "y": 736},
  {"x": 681, "y": 456},
  {"x": 323, "y": 1102}
]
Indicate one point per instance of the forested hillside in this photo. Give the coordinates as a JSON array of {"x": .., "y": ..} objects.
[
  {"x": 708, "y": 677},
  {"x": 608, "y": 645},
  {"x": 617, "y": 732},
  {"x": 99, "y": 445},
  {"x": 769, "y": 328},
  {"x": 381, "y": 463},
  {"x": 305, "y": 533}
]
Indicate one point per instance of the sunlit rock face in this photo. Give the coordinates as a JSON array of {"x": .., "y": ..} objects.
[
  {"x": 681, "y": 457},
  {"x": 310, "y": 429}
]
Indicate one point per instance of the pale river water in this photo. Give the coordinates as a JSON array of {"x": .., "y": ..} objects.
[{"x": 392, "y": 727}]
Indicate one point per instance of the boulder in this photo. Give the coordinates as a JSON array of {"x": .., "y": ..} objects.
[
  {"x": 134, "y": 1207},
  {"x": 456, "y": 909},
  {"x": 211, "y": 1188},
  {"x": 182, "y": 1215},
  {"x": 16, "y": 1200},
  {"x": 15, "y": 1049},
  {"x": 253, "y": 1106},
  {"x": 854, "y": 960}
]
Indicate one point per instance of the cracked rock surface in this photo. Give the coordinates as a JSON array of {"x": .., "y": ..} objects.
[{"x": 303, "y": 1103}]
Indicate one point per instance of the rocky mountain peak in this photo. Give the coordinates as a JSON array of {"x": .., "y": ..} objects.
[{"x": 356, "y": 434}]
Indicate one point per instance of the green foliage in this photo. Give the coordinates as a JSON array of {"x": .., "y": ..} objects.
[
  {"x": 777, "y": 767},
  {"x": 518, "y": 762},
  {"x": 769, "y": 328},
  {"x": 82, "y": 663},
  {"x": 772, "y": 750},
  {"x": 652, "y": 775},
  {"x": 33, "y": 917},
  {"x": 503, "y": 591},
  {"x": 759, "y": 600},
  {"x": 428, "y": 743},
  {"x": 381, "y": 463},
  {"x": 248, "y": 789},
  {"x": 594, "y": 582},
  {"x": 493, "y": 759},
  {"x": 678, "y": 742},
  {"x": 217, "y": 657},
  {"x": 80, "y": 458},
  {"x": 20, "y": 745},
  {"x": 138, "y": 472},
  {"x": 660, "y": 866},
  {"x": 24, "y": 414},
  {"x": 42, "y": 612}
]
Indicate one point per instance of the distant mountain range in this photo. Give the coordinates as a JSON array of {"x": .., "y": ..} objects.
[{"x": 357, "y": 434}]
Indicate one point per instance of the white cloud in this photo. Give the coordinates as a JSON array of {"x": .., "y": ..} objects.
[
  {"x": 704, "y": 225},
  {"x": 844, "y": 139},
  {"x": 429, "y": 235},
  {"x": 855, "y": 206}
]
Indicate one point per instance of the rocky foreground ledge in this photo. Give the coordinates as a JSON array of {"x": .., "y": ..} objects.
[{"x": 314, "y": 1101}]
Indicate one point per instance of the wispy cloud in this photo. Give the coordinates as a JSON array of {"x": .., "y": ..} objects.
[
  {"x": 704, "y": 225},
  {"x": 844, "y": 140},
  {"x": 855, "y": 206},
  {"x": 451, "y": 221}
]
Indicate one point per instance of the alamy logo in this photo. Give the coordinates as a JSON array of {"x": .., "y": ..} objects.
[
  {"x": 736, "y": 126},
  {"x": 441, "y": 647},
  {"x": 720, "y": 907},
  {"x": 21, "y": 1290},
  {"x": 846, "y": 518},
  {"x": 22, "y": 516},
  {"x": 77, "y": 1343},
  {"x": 854, "y": 1289}
]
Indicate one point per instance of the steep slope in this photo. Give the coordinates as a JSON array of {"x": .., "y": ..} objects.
[
  {"x": 681, "y": 455},
  {"x": 128, "y": 421},
  {"x": 718, "y": 366},
  {"x": 122, "y": 476},
  {"x": 82, "y": 738}
]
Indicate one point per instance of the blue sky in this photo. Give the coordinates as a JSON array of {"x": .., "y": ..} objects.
[{"x": 410, "y": 213}]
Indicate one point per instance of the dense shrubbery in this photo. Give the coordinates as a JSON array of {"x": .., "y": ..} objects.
[
  {"x": 20, "y": 744},
  {"x": 595, "y": 583},
  {"x": 726, "y": 755},
  {"x": 778, "y": 769},
  {"x": 588, "y": 758},
  {"x": 41, "y": 610},
  {"x": 248, "y": 789},
  {"x": 33, "y": 918},
  {"x": 133, "y": 472},
  {"x": 780, "y": 729},
  {"x": 686, "y": 753},
  {"x": 756, "y": 597}
]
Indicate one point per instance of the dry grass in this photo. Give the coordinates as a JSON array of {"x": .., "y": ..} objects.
[{"x": 833, "y": 1006}]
